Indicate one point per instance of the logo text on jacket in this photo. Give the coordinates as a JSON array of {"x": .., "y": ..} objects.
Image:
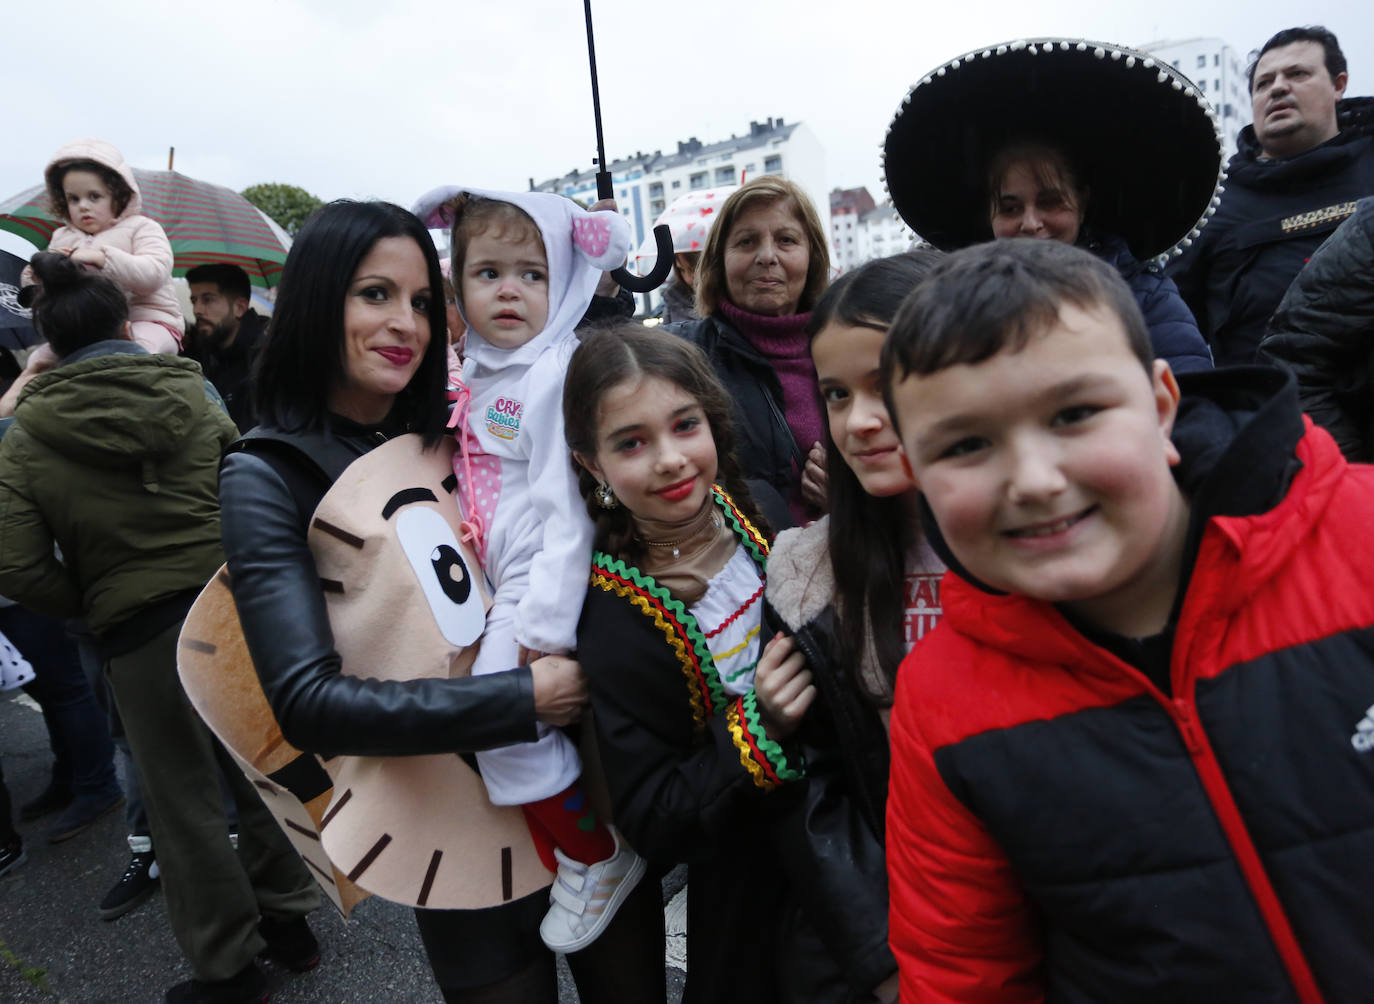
[
  {"x": 503, "y": 418},
  {"x": 1363, "y": 739}
]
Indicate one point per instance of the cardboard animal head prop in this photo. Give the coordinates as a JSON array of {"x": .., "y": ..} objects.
[{"x": 406, "y": 599}]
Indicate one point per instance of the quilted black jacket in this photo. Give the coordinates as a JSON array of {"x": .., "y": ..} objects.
[
  {"x": 1273, "y": 215},
  {"x": 1324, "y": 332}
]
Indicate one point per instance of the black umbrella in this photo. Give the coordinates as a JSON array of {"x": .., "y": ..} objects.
[{"x": 16, "y": 323}]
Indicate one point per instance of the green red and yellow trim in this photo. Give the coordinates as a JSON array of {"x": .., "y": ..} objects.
[
  {"x": 761, "y": 756},
  {"x": 749, "y": 535},
  {"x": 705, "y": 690}
]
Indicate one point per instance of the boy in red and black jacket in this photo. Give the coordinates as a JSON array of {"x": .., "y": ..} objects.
[{"x": 1134, "y": 762}]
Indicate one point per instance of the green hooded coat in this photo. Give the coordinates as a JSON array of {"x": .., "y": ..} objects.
[{"x": 114, "y": 455}]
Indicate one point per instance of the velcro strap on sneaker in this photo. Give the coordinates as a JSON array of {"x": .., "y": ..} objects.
[
  {"x": 568, "y": 899},
  {"x": 573, "y": 879}
]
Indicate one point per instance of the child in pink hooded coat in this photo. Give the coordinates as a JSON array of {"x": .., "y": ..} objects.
[{"x": 92, "y": 189}]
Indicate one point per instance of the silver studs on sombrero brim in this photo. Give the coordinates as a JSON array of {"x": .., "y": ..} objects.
[{"x": 1165, "y": 74}]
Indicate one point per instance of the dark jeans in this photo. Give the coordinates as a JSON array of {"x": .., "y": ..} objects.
[
  {"x": 135, "y": 817},
  {"x": 77, "y": 728}
]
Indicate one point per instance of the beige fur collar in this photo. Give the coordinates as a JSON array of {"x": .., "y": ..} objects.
[{"x": 801, "y": 582}]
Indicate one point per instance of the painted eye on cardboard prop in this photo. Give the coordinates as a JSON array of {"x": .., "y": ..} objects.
[
  {"x": 444, "y": 574},
  {"x": 451, "y": 573}
]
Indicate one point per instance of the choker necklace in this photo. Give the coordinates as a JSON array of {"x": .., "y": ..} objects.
[{"x": 711, "y": 520}]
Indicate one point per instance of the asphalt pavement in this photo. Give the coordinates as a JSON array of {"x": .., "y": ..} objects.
[{"x": 55, "y": 948}]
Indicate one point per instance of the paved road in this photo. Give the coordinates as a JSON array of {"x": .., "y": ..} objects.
[{"x": 53, "y": 946}]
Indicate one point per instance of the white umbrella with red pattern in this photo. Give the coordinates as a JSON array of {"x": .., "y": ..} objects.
[{"x": 689, "y": 218}]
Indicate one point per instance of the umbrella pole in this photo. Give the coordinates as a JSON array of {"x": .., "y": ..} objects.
[
  {"x": 171, "y": 153},
  {"x": 604, "y": 188}
]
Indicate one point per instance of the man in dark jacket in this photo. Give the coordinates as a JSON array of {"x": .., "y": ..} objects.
[
  {"x": 1324, "y": 332},
  {"x": 227, "y": 335},
  {"x": 1300, "y": 168}
]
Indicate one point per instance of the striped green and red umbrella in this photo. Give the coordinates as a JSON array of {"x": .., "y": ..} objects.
[{"x": 205, "y": 223}]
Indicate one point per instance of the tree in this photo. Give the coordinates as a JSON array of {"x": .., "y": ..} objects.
[{"x": 286, "y": 204}]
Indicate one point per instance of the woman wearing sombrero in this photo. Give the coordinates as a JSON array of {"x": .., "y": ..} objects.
[{"x": 1082, "y": 142}]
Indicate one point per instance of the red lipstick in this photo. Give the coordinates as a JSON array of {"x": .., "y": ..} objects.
[{"x": 677, "y": 492}]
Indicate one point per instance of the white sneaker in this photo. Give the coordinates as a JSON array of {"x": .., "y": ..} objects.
[{"x": 584, "y": 898}]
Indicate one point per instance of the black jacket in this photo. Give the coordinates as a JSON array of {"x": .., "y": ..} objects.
[
  {"x": 695, "y": 778},
  {"x": 679, "y": 304},
  {"x": 1173, "y": 332},
  {"x": 834, "y": 857},
  {"x": 1273, "y": 215},
  {"x": 679, "y": 791},
  {"x": 270, "y": 486},
  {"x": 764, "y": 444},
  {"x": 1324, "y": 332},
  {"x": 231, "y": 369},
  {"x": 606, "y": 310}
]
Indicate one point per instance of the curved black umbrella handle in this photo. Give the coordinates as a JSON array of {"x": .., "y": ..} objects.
[{"x": 663, "y": 240}]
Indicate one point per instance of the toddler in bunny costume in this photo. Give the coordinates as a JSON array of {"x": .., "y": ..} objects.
[{"x": 525, "y": 267}]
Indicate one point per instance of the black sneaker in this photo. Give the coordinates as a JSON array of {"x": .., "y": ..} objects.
[
  {"x": 82, "y": 814},
  {"x": 139, "y": 882},
  {"x": 55, "y": 796},
  {"x": 247, "y": 986},
  {"x": 290, "y": 943},
  {"x": 12, "y": 856}
]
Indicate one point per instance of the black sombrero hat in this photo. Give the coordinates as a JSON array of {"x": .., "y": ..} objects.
[{"x": 1142, "y": 138}]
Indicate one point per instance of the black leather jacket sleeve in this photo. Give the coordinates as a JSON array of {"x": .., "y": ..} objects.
[{"x": 320, "y": 710}]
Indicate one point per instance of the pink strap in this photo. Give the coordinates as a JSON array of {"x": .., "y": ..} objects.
[{"x": 471, "y": 528}]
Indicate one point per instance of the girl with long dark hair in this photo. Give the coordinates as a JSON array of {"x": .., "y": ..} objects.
[{"x": 856, "y": 590}]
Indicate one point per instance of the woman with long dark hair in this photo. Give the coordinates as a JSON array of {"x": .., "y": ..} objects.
[{"x": 355, "y": 358}]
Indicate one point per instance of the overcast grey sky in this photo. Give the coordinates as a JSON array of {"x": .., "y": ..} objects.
[{"x": 390, "y": 98}]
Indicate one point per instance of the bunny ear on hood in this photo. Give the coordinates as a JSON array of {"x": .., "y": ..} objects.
[
  {"x": 578, "y": 245},
  {"x": 602, "y": 238},
  {"x": 598, "y": 239},
  {"x": 431, "y": 207}
]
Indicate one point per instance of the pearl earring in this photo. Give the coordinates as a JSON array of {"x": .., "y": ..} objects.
[{"x": 605, "y": 498}]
